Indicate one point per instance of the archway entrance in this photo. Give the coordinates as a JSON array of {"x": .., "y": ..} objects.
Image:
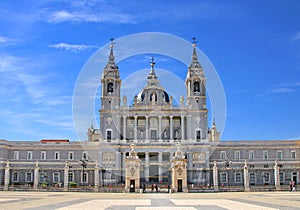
[{"x": 179, "y": 185}]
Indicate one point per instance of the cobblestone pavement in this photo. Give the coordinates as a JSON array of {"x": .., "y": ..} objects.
[{"x": 149, "y": 201}]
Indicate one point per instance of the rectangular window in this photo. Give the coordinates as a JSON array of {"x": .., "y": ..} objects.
[
  {"x": 84, "y": 156},
  {"x": 251, "y": 155},
  {"x": 238, "y": 177},
  {"x": 279, "y": 154},
  {"x": 28, "y": 177},
  {"x": 166, "y": 156},
  {"x": 252, "y": 178},
  {"x": 71, "y": 156},
  {"x": 153, "y": 156},
  {"x": 71, "y": 177},
  {"x": 56, "y": 178},
  {"x": 108, "y": 134},
  {"x": 16, "y": 155},
  {"x": 15, "y": 177},
  {"x": 84, "y": 178},
  {"x": 29, "y": 155},
  {"x": 223, "y": 177},
  {"x": 266, "y": 177},
  {"x": 223, "y": 155},
  {"x": 198, "y": 134},
  {"x": 237, "y": 155},
  {"x": 281, "y": 176},
  {"x": 142, "y": 156},
  {"x": 43, "y": 177},
  {"x": 265, "y": 155},
  {"x": 43, "y": 155},
  {"x": 56, "y": 155},
  {"x": 293, "y": 154}
]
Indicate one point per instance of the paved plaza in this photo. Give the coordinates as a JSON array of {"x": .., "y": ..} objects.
[{"x": 150, "y": 201}]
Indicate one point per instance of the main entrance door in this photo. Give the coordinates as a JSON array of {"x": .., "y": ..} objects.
[
  {"x": 179, "y": 184},
  {"x": 132, "y": 185}
]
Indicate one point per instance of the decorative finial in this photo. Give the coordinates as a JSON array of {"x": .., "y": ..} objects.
[
  {"x": 152, "y": 63},
  {"x": 112, "y": 42},
  {"x": 194, "y": 41}
]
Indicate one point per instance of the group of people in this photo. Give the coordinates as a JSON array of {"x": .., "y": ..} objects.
[
  {"x": 292, "y": 186},
  {"x": 154, "y": 187}
]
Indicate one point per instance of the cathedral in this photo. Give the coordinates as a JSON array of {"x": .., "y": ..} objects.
[{"x": 151, "y": 141}]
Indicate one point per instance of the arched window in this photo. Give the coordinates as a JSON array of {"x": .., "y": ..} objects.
[
  {"x": 198, "y": 135},
  {"x": 176, "y": 134},
  {"x": 153, "y": 97},
  {"x": 196, "y": 87},
  {"x": 110, "y": 87}
]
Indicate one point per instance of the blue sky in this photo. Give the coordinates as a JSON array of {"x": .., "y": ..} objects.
[{"x": 254, "y": 45}]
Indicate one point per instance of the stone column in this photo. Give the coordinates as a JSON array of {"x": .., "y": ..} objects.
[
  {"x": 189, "y": 127},
  {"x": 246, "y": 177},
  {"x": 147, "y": 128},
  {"x": 160, "y": 166},
  {"x": 36, "y": 176},
  {"x": 207, "y": 174},
  {"x": 277, "y": 176},
  {"x": 215, "y": 177},
  {"x": 190, "y": 165},
  {"x": 66, "y": 176},
  {"x": 6, "y": 176},
  {"x": 123, "y": 165},
  {"x": 118, "y": 127},
  {"x": 135, "y": 127},
  {"x": 159, "y": 128},
  {"x": 147, "y": 166},
  {"x": 182, "y": 127},
  {"x": 96, "y": 181},
  {"x": 124, "y": 127},
  {"x": 118, "y": 164},
  {"x": 171, "y": 127}
]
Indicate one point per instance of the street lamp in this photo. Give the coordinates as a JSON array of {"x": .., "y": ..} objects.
[{"x": 83, "y": 163}]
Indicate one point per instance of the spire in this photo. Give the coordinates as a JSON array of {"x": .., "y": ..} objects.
[
  {"x": 111, "y": 58},
  {"x": 152, "y": 74},
  {"x": 195, "y": 62},
  {"x": 214, "y": 123}
]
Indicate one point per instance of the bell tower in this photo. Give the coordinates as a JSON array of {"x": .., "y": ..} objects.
[
  {"x": 110, "y": 98},
  {"x": 196, "y": 97},
  {"x": 111, "y": 83}
]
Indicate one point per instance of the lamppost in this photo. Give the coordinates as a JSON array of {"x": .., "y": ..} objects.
[
  {"x": 83, "y": 163},
  {"x": 103, "y": 170},
  {"x": 227, "y": 163}
]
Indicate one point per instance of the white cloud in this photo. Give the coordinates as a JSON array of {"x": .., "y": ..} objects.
[
  {"x": 296, "y": 36},
  {"x": 295, "y": 138},
  {"x": 282, "y": 90},
  {"x": 22, "y": 74},
  {"x": 4, "y": 39},
  {"x": 72, "y": 47},
  {"x": 88, "y": 16}
]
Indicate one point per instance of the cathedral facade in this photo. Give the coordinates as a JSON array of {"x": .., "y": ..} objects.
[{"x": 151, "y": 142}]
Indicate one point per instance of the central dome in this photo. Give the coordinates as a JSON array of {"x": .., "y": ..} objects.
[{"x": 140, "y": 97}]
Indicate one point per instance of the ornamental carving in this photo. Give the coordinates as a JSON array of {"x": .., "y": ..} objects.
[
  {"x": 198, "y": 156},
  {"x": 132, "y": 169},
  {"x": 108, "y": 157},
  {"x": 179, "y": 170}
]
